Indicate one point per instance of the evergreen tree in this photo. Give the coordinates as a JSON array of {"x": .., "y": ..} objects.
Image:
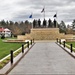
[
  {"x": 39, "y": 23},
  {"x": 73, "y": 24},
  {"x": 34, "y": 23},
  {"x": 16, "y": 23},
  {"x": 49, "y": 23},
  {"x": 7, "y": 23},
  {"x": 44, "y": 23},
  {"x": 55, "y": 23},
  {"x": 27, "y": 22},
  {"x": 3, "y": 23},
  {"x": 11, "y": 23},
  {"x": 62, "y": 27}
]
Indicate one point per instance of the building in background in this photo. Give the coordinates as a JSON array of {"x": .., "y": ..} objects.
[{"x": 5, "y": 31}]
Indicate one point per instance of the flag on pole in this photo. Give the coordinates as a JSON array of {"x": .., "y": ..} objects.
[
  {"x": 55, "y": 15},
  {"x": 43, "y": 10},
  {"x": 30, "y": 16}
]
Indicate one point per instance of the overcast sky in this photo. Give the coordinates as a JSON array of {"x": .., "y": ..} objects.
[{"x": 19, "y": 10}]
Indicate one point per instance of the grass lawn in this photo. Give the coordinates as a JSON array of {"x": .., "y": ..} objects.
[
  {"x": 6, "y": 47},
  {"x": 73, "y": 43}
]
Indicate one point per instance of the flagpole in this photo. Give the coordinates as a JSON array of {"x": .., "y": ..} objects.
[
  {"x": 56, "y": 19},
  {"x": 44, "y": 12},
  {"x": 32, "y": 20},
  {"x": 31, "y": 17}
]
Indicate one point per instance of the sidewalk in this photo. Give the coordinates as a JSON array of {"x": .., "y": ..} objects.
[{"x": 45, "y": 58}]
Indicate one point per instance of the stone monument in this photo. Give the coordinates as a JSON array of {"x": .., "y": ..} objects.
[{"x": 47, "y": 32}]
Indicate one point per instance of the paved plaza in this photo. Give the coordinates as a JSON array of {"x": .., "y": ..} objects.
[{"x": 45, "y": 58}]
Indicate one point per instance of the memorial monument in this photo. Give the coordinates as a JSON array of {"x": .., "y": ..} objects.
[{"x": 47, "y": 30}]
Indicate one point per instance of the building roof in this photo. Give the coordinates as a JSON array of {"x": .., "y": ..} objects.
[
  {"x": 6, "y": 29},
  {"x": 3, "y": 29}
]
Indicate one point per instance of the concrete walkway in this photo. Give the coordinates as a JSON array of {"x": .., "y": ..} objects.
[{"x": 45, "y": 58}]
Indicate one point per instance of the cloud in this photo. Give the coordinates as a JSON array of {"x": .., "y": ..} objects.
[{"x": 18, "y": 10}]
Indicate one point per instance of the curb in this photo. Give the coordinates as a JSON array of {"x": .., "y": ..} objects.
[
  {"x": 65, "y": 49},
  {"x": 14, "y": 64}
]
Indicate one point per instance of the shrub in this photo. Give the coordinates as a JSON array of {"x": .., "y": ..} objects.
[{"x": 2, "y": 37}]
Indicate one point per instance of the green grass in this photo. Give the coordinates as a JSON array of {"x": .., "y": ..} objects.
[
  {"x": 5, "y": 50},
  {"x": 73, "y": 44},
  {"x": 6, "y": 47},
  {"x": 5, "y": 61}
]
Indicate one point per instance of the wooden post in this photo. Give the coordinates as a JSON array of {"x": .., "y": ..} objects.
[
  {"x": 28, "y": 44},
  {"x": 71, "y": 47},
  {"x": 64, "y": 43},
  {"x": 60, "y": 41},
  {"x": 22, "y": 48},
  {"x": 11, "y": 57},
  {"x": 31, "y": 42},
  {"x": 57, "y": 40}
]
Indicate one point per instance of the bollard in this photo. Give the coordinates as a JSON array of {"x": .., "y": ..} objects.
[
  {"x": 64, "y": 43},
  {"x": 11, "y": 52},
  {"x": 60, "y": 41},
  {"x": 71, "y": 47},
  {"x": 22, "y": 48},
  {"x": 57, "y": 40},
  {"x": 31, "y": 42},
  {"x": 28, "y": 44}
]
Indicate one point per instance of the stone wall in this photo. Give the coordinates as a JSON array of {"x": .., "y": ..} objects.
[
  {"x": 45, "y": 34},
  {"x": 70, "y": 40}
]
